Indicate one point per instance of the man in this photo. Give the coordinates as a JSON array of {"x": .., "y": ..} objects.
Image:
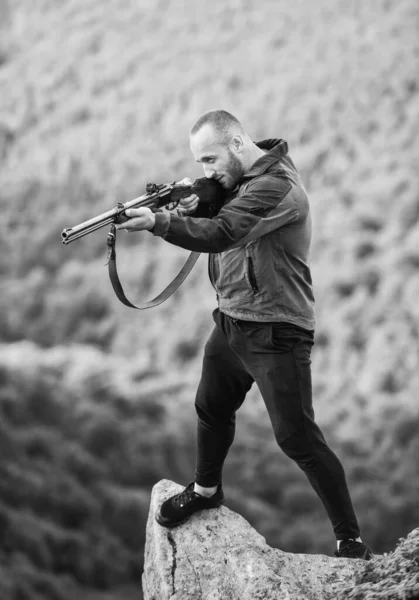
[{"x": 258, "y": 247}]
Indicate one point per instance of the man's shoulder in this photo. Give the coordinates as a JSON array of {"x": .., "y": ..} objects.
[
  {"x": 273, "y": 188},
  {"x": 272, "y": 181}
]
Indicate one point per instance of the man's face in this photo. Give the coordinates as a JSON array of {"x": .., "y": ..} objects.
[{"x": 220, "y": 162}]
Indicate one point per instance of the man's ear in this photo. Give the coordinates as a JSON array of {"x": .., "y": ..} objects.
[{"x": 238, "y": 143}]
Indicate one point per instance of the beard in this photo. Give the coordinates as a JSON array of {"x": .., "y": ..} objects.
[{"x": 234, "y": 172}]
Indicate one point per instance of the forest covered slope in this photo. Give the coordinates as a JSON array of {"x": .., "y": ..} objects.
[{"x": 96, "y": 400}]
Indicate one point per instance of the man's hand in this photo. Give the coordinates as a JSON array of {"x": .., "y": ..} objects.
[
  {"x": 138, "y": 219},
  {"x": 188, "y": 205}
]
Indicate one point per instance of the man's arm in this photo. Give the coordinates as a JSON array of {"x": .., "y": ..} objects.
[{"x": 266, "y": 205}]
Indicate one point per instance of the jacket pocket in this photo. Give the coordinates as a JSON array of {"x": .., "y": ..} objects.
[{"x": 251, "y": 274}]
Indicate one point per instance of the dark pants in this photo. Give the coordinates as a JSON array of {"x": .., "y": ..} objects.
[{"x": 277, "y": 357}]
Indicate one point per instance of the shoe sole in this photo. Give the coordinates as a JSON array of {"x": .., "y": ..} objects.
[
  {"x": 368, "y": 555},
  {"x": 170, "y": 524}
]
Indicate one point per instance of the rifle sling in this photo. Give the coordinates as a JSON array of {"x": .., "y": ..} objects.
[{"x": 164, "y": 295}]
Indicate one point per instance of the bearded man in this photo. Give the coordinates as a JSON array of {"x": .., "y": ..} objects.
[{"x": 258, "y": 246}]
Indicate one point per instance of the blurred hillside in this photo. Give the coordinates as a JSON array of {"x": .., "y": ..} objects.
[{"x": 96, "y": 400}]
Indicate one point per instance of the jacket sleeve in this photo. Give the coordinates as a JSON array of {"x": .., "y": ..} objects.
[{"x": 266, "y": 205}]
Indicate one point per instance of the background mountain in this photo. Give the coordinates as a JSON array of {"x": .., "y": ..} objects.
[{"x": 96, "y": 400}]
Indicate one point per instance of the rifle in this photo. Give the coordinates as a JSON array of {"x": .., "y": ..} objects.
[{"x": 211, "y": 198}]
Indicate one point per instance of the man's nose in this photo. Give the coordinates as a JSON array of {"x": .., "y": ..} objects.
[{"x": 208, "y": 171}]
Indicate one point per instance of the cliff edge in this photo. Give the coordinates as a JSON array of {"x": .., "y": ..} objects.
[{"x": 217, "y": 555}]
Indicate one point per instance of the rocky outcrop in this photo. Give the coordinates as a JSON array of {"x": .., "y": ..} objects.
[
  {"x": 217, "y": 555},
  {"x": 392, "y": 576}
]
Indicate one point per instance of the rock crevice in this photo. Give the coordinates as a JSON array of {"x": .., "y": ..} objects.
[{"x": 173, "y": 544}]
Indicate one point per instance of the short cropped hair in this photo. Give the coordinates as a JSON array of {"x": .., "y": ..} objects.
[{"x": 221, "y": 121}]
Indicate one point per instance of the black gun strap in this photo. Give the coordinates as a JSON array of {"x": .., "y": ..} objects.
[{"x": 164, "y": 295}]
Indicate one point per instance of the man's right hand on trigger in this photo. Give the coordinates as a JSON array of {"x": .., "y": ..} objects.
[{"x": 188, "y": 205}]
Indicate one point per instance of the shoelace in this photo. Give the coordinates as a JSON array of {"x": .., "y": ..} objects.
[{"x": 187, "y": 494}]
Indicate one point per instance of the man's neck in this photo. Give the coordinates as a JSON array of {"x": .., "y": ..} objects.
[{"x": 254, "y": 154}]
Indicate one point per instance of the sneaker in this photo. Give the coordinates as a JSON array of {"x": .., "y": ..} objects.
[
  {"x": 352, "y": 549},
  {"x": 177, "y": 509}
]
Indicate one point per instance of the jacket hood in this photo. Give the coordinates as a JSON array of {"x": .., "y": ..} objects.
[{"x": 276, "y": 149}]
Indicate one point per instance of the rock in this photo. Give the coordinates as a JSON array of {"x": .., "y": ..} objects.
[
  {"x": 217, "y": 555},
  {"x": 392, "y": 576}
]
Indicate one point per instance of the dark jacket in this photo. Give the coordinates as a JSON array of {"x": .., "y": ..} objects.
[{"x": 258, "y": 243}]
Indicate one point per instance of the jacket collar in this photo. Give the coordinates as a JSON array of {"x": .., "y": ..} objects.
[{"x": 276, "y": 149}]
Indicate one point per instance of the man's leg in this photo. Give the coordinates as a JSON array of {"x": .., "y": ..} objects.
[
  {"x": 221, "y": 391},
  {"x": 309, "y": 450},
  {"x": 279, "y": 360}
]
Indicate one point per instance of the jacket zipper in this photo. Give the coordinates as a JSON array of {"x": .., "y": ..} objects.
[
  {"x": 251, "y": 274},
  {"x": 210, "y": 269},
  {"x": 211, "y": 273}
]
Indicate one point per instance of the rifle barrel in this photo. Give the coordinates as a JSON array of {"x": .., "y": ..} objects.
[{"x": 149, "y": 200}]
